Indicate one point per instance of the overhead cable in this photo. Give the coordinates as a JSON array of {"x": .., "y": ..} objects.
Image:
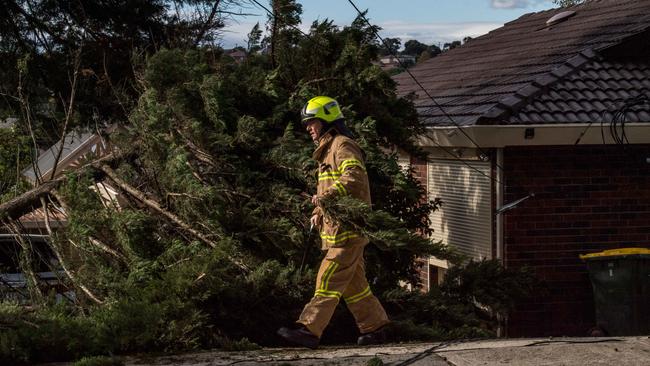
[
  {"x": 445, "y": 149},
  {"x": 417, "y": 82}
]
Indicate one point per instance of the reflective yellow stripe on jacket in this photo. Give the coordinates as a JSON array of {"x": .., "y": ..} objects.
[
  {"x": 329, "y": 176},
  {"x": 350, "y": 163},
  {"x": 335, "y": 174},
  {"x": 341, "y": 237},
  {"x": 340, "y": 188}
]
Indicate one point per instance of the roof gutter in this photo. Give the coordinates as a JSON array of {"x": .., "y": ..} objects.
[{"x": 495, "y": 136}]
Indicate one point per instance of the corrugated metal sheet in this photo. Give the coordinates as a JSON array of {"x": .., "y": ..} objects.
[
  {"x": 464, "y": 221},
  {"x": 73, "y": 143}
]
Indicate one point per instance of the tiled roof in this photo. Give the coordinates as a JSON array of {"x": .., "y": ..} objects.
[
  {"x": 591, "y": 94},
  {"x": 507, "y": 75}
]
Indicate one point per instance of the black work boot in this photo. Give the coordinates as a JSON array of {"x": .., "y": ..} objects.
[
  {"x": 375, "y": 337},
  {"x": 300, "y": 335}
]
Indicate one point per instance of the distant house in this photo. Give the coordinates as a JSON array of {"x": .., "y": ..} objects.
[
  {"x": 391, "y": 62},
  {"x": 238, "y": 55},
  {"x": 539, "y": 142},
  {"x": 77, "y": 148}
]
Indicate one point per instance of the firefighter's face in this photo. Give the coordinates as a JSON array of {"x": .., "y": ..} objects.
[{"x": 314, "y": 127}]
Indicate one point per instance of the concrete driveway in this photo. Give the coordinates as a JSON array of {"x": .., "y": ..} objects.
[{"x": 619, "y": 351}]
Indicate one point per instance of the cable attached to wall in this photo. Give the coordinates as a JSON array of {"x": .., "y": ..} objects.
[{"x": 619, "y": 118}]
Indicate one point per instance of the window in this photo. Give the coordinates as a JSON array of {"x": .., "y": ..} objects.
[{"x": 464, "y": 220}]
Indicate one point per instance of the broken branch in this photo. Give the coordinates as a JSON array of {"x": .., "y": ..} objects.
[{"x": 139, "y": 195}]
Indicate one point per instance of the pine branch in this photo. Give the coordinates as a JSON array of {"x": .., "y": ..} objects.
[
  {"x": 140, "y": 196},
  {"x": 62, "y": 262},
  {"x": 382, "y": 229},
  {"x": 94, "y": 241}
]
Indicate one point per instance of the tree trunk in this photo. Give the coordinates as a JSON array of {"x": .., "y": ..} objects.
[{"x": 26, "y": 202}]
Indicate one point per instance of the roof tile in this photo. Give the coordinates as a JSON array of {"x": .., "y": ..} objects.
[
  {"x": 526, "y": 72},
  {"x": 594, "y": 100}
]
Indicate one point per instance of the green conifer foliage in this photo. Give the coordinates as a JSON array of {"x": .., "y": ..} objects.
[{"x": 219, "y": 247}]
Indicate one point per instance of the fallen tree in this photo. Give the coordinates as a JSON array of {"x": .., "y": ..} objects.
[{"x": 212, "y": 246}]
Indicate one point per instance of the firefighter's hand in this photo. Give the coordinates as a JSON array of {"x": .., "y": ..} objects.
[
  {"x": 314, "y": 200},
  {"x": 315, "y": 221}
]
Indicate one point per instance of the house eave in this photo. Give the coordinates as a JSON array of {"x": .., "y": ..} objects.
[{"x": 497, "y": 136}]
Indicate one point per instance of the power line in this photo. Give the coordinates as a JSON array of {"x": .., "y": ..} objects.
[
  {"x": 420, "y": 85},
  {"x": 290, "y": 25},
  {"x": 445, "y": 149}
]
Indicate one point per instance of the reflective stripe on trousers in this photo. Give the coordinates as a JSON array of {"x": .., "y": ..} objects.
[{"x": 342, "y": 274}]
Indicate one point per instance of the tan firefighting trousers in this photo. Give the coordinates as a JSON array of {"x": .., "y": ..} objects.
[{"x": 342, "y": 274}]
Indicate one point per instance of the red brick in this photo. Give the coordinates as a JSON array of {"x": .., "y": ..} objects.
[{"x": 589, "y": 198}]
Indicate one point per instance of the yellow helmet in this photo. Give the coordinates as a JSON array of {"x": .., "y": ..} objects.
[{"x": 324, "y": 108}]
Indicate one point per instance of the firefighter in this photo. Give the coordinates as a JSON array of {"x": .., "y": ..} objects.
[{"x": 341, "y": 171}]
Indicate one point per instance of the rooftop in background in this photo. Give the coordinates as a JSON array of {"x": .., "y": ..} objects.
[
  {"x": 238, "y": 55},
  {"x": 77, "y": 147},
  {"x": 577, "y": 70}
]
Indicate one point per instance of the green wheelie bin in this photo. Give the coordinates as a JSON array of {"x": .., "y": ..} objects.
[{"x": 621, "y": 283}]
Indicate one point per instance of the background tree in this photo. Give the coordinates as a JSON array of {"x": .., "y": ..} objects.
[
  {"x": 422, "y": 51},
  {"x": 450, "y": 45},
  {"x": 390, "y": 46},
  {"x": 254, "y": 38},
  {"x": 281, "y": 26},
  {"x": 414, "y": 47}
]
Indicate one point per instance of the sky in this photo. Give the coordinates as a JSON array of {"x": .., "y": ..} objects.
[{"x": 428, "y": 21}]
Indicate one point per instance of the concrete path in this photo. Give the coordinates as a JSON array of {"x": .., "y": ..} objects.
[{"x": 619, "y": 351}]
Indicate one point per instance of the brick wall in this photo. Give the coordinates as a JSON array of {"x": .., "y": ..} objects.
[
  {"x": 587, "y": 199},
  {"x": 419, "y": 170}
]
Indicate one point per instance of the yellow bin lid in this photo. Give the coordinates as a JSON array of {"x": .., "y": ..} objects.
[{"x": 616, "y": 253}]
